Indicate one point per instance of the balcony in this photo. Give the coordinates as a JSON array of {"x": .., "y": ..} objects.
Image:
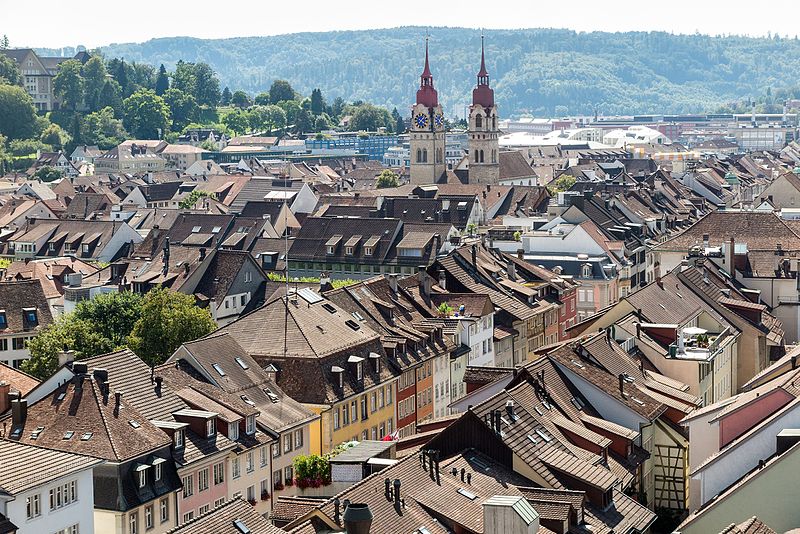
[{"x": 697, "y": 344}]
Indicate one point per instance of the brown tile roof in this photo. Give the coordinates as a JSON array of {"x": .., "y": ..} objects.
[
  {"x": 18, "y": 380},
  {"x": 15, "y": 297},
  {"x": 625, "y": 515},
  {"x": 288, "y": 507},
  {"x": 113, "y": 436},
  {"x": 751, "y": 526},
  {"x": 224, "y": 518},
  {"x": 50, "y": 272},
  {"x": 513, "y": 165},
  {"x": 485, "y": 375},
  {"x": 28, "y": 466}
]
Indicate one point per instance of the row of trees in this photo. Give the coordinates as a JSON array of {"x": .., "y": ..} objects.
[{"x": 153, "y": 326}]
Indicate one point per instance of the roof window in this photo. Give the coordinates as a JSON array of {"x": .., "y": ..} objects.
[
  {"x": 242, "y": 363},
  {"x": 218, "y": 369}
]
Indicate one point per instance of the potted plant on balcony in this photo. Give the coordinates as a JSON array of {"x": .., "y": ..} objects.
[
  {"x": 313, "y": 471},
  {"x": 265, "y": 495},
  {"x": 278, "y": 486},
  {"x": 252, "y": 502}
]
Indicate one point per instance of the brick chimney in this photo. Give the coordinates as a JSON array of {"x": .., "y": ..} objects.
[{"x": 5, "y": 400}]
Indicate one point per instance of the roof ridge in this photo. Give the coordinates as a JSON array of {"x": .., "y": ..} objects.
[{"x": 105, "y": 421}]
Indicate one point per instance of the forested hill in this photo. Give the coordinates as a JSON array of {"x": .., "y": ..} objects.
[{"x": 543, "y": 71}]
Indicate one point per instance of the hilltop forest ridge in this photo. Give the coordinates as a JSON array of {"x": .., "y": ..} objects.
[{"x": 541, "y": 71}]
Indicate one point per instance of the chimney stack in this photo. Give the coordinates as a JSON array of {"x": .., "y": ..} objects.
[
  {"x": 387, "y": 490},
  {"x": 443, "y": 280},
  {"x": 732, "y": 258},
  {"x": 622, "y": 385},
  {"x": 520, "y": 254},
  {"x": 65, "y": 357},
  {"x": 393, "y": 283},
  {"x": 117, "y": 399},
  {"x": 794, "y": 365},
  {"x": 5, "y": 397},
  {"x": 396, "y": 485},
  {"x": 357, "y": 518},
  {"x": 475, "y": 256},
  {"x": 336, "y": 513},
  {"x": 511, "y": 270},
  {"x": 19, "y": 412},
  {"x": 202, "y": 253},
  {"x": 424, "y": 282}
]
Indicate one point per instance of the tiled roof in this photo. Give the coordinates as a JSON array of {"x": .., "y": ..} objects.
[
  {"x": 113, "y": 436},
  {"x": 221, "y": 273},
  {"x": 289, "y": 507},
  {"x": 18, "y": 380},
  {"x": 485, "y": 375},
  {"x": 225, "y": 520},
  {"x": 624, "y": 516},
  {"x": 28, "y": 466},
  {"x": 751, "y": 526},
  {"x": 15, "y": 298}
]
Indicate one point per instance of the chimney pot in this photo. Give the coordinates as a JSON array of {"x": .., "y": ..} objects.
[
  {"x": 621, "y": 385},
  {"x": 117, "y": 398},
  {"x": 5, "y": 396},
  {"x": 396, "y": 485},
  {"x": 357, "y": 518},
  {"x": 19, "y": 412}
]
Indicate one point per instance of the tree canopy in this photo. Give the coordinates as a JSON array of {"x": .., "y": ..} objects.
[
  {"x": 387, "y": 178},
  {"x": 68, "y": 84},
  {"x": 17, "y": 114},
  {"x": 147, "y": 116}
]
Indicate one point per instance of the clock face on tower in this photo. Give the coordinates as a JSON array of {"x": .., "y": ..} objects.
[
  {"x": 421, "y": 121},
  {"x": 438, "y": 120}
]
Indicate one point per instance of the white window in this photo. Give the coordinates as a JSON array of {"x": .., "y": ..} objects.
[
  {"x": 233, "y": 431},
  {"x": 263, "y": 453},
  {"x": 219, "y": 473},
  {"x": 148, "y": 517},
  {"x": 298, "y": 439},
  {"x": 202, "y": 479},
  {"x": 179, "y": 436},
  {"x": 210, "y": 427},
  {"x": 33, "y": 506},
  {"x": 158, "y": 470},
  {"x": 188, "y": 486},
  {"x": 164, "y": 510},
  {"x": 251, "y": 424},
  {"x": 133, "y": 523},
  {"x": 235, "y": 468},
  {"x": 188, "y": 516},
  {"x": 250, "y": 464},
  {"x": 142, "y": 478},
  {"x": 359, "y": 371},
  {"x": 287, "y": 442}
]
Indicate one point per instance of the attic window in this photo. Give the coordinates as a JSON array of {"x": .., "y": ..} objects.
[
  {"x": 68, "y": 434},
  {"x": 3, "y": 321},
  {"x": 35, "y": 433},
  {"x": 272, "y": 396},
  {"x": 240, "y": 526},
  {"x": 357, "y": 316},
  {"x": 134, "y": 424},
  {"x": 218, "y": 369},
  {"x": 196, "y": 229},
  {"x": 216, "y": 229},
  {"x": 532, "y": 439},
  {"x": 246, "y": 399},
  {"x": 61, "y": 396},
  {"x": 352, "y": 324},
  {"x": 329, "y": 307},
  {"x": 30, "y": 315},
  {"x": 367, "y": 251},
  {"x": 241, "y": 363},
  {"x": 87, "y": 436}
]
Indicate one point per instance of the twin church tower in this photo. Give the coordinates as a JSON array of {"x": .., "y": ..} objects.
[{"x": 427, "y": 133}]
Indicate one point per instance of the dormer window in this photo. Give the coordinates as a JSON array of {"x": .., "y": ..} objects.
[
  {"x": 3, "y": 320},
  {"x": 586, "y": 271},
  {"x": 158, "y": 469},
  {"x": 179, "y": 439},
  {"x": 339, "y": 372},
  {"x": 211, "y": 429},
  {"x": 30, "y": 316},
  {"x": 367, "y": 251},
  {"x": 251, "y": 425},
  {"x": 376, "y": 361},
  {"x": 348, "y": 251},
  {"x": 233, "y": 431},
  {"x": 142, "y": 479},
  {"x": 359, "y": 371},
  {"x": 85, "y": 248},
  {"x": 196, "y": 229}
]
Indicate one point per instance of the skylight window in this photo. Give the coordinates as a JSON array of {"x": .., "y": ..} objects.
[
  {"x": 196, "y": 229},
  {"x": 329, "y": 307},
  {"x": 218, "y": 369},
  {"x": 352, "y": 324},
  {"x": 542, "y": 434},
  {"x": 468, "y": 494},
  {"x": 61, "y": 396},
  {"x": 35, "y": 433},
  {"x": 216, "y": 229},
  {"x": 87, "y": 436},
  {"x": 247, "y": 400},
  {"x": 68, "y": 434},
  {"x": 134, "y": 424},
  {"x": 241, "y": 363},
  {"x": 240, "y": 526},
  {"x": 272, "y": 396},
  {"x": 532, "y": 439}
]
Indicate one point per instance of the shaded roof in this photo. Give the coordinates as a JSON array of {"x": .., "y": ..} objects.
[
  {"x": 19, "y": 381},
  {"x": 290, "y": 507},
  {"x": 18, "y": 296},
  {"x": 28, "y": 466},
  {"x": 751, "y": 526},
  {"x": 225, "y": 520}
]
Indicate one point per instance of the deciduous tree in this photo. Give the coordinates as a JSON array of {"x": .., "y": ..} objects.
[
  {"x": 146, "y": 115},
  {"x": 68, "y": 84},
  {"x": 17, "y": 114}
]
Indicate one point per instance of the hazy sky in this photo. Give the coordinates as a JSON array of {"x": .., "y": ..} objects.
[{"x": 56, "y": 23}]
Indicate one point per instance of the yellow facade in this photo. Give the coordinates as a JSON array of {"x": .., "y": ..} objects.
[{"x": 334, "y": 427}]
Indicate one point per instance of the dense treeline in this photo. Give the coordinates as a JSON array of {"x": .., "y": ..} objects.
[{"x": 543, "y": 71}]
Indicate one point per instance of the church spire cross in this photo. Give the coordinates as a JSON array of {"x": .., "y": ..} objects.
[
  {"x": 483, "y": 95},
  {"x": 483, "y": 72},
  {"x": 426, "y": 95}
]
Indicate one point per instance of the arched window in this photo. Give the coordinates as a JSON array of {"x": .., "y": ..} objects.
[
  {"x": 481, "y": 156},
  {"x": 476, "y": 155},
  {"x": 419, "y": 155},
  {"x": 586, "y": 271},
  {"x": 424, "y": 155},
  {"x": 438, "y": 155},
  {"x": 494, "y": 156},
  {"x": 494, "y": 122},
  {"x": 478, "y": 121}
]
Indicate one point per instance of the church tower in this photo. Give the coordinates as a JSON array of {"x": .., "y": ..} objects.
[
  {"x": 427, "y": 136},
  {"x": 484, "y": 147}
]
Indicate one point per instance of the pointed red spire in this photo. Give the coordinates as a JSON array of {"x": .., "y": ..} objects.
[
  {"x": 426, "y": 94},
  {"x": 483, "y": 95},
  {"x": 482, "y": 73}
]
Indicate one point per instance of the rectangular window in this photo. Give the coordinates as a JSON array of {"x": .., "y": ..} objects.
[
  {"x": 188, "y": 516},
  {"x": 336, "y": 418},
  {"x": 133, "y": 523},
  {"x": 164, "y": 509},
  {"x": 158, "y": 471},
  {"x": 204, "y": 509},
  {"x": 188, "y": 486},
  {"x": 210, "y": 430},
  {"x": 287, "y": 442},
  {"x": 251, "y": 424},
  {"x": 298, "y": 439},
  {"x": 235, "y": 468},
  {"x": 288, "y": 475},
  {"x": 373, "y": 402},
  {"x": 250, "y": 463},
  {"x": 148, "y": 517},
  {"x": 202, "y": 480},
  {"x": 33, "y": 506},
  {"x": 364, "y": 408},
  {"x": 219, "y": 473},
  {"x": 389, "y": 394},
  {"x": 263, "y": 453},
  {"x": 353, "y": 411},
  {"x": 277, "y": 483}
]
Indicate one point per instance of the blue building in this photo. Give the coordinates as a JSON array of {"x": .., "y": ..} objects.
[{"x": 374, "y": 146}]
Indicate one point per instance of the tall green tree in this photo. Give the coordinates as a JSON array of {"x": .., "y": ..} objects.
[
  {"x": 238, "y": 121},
  {"x": 111, "y": 97},
  {"x": 337, "y": 107},
  {"x": 55, "y": 136},
  {"x": 225, "y": 99},
  {"x": 17, "y": 114},
  {"x": 9, "y": 72},
  {"x": 399, "y": 124},
  {"x": 206, "y": 90},
  {"x": 183, "y": 77},
  {"x": 280, "y": 90},
  {"x": 168, "y": 319},
  {"x": 103, "y": 129},
  {"x": 183, "y": 108},
  {"x": 369, "y": 118},
  {"x": 119, "y": 70},
  {"x": 317, "y": 102},
  {"x": 4, "y": 44},
  {"x": 291, "y": 108},
  {"x": 304, "y": 122},
  {"x": 99, "y": 325},
  {"x": 146, "y": 115},
  {"x": 68, "y": 84},
  {"x": 94, "y": 77},
  {"x": 162, "y": 81},
  {"x": 387, "y": 178},
  {"x": 262, "y": 99},
  {"x": 240, "y": 99},
  {"x": 46, "y": 173}
]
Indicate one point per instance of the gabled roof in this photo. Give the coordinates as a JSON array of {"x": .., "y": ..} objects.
[
  {"x": 16, "y": 297},
  {"x": 226, "y": 518},
  {"x": 20, "y": 382},
  {"x": 28, "y": 466}
]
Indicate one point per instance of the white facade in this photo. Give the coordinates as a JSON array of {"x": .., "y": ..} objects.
[{"x": 76, "y": 508}]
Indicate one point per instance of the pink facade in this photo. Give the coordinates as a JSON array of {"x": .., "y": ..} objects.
[
  {"x": 209, "y": 496},
  {"x": 733, "y": 425}
]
